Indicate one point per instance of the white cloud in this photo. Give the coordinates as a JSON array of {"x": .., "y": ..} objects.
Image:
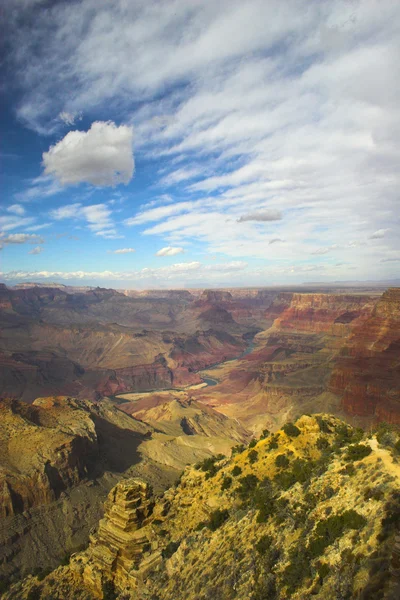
[
  {"x": 9, "y": 222},
  {"x": 16, "y": 209},
  {"x": 379, "y": 234},
  {"x": 36, "y": 250},
  {"x": 69, "y": 118},
  {"x": 101, "y": 156},
  {"x": 21, "y": 238},
  {"x": 123, "y": 251},
  {"x": 98, "y": 218},
  {"x": 169, "y": 251},
  {"x": 180, "y": 175},
  {"x": 265, "y": 216}
]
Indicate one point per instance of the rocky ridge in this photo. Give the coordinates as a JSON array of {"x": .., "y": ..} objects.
[{"x": 310, "y": 511}]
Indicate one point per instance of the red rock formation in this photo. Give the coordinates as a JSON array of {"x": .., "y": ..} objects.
[
  {"x": 323, "y": 313},
  {"x": 367, "y": 372}
]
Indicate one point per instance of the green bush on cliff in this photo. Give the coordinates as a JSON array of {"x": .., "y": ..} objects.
[
  {"x": 248, "y": 484},
  {"x": 252, "y": 443},
  {"x": 252, "y": 456},
  {"x": 236, "y": 471},
  {"x": 108, "y": 590},
  {"x": 226, "y": 483},
  {"x": 332, "y": 528},
  {"x": 170, "y": 549},
  {"x": 358, "y": 452},
  {"x": 291, "y": 430},
  {"x": 237, "y": 449},
  {"x": 282, "y": 461},
  {"x": 208, "y": 465},
  {"x": 217, "y": 518}
]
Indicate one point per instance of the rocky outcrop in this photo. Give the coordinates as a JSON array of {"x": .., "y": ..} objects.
[
  {"x": 323, "y": 313},
  {"x": 367, "y": 373},
  {"x": 46, "y": 448},
  {"x": 122, "y": 541}
]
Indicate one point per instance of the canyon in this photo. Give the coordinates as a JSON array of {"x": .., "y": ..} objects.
[{"x": 99, "y": 386}]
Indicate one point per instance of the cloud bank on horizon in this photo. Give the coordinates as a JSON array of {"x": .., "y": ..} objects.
[{"x": 259, "y": 139}]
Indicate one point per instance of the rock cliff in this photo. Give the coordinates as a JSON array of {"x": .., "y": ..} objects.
[
  {"x": 367, "y": 372},
  {"x": 307, "y": 512}
]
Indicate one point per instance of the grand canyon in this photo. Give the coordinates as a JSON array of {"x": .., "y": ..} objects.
[{"x": 100, "y": 386}]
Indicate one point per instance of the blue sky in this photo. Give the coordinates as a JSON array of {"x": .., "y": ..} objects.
[{"x": 173, "y": 143}]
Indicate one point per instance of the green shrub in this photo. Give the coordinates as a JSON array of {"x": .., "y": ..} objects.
[
  {"x": 208, "y": 465},
  {"x": 252, "y": 456},
  {"x": 248, "y": 484},
  {"x": 264, "y": 544},
  {"x": 252, "y": 443},
  {"x": 265, "y": 434},
  {"x": 263, "y": 500},
  {"x": 297, "y": 570},
  {"x": 236, "y": 471},
  {"x": 109, "y": 592},
  {"x": 200, "y": 526},
  {"x": 322, "y": 443},
  {"x": 285, "y": 479},
  {"x": 358, "y": 452},
  {"x": 170, "y": 549},
  {"x": 65, "y": 560},
  {"x": 373, "y": 493},
  {"x": 237, "y": 449},
  {"x": 282, "y": 461},
  {"x": 323, "y": 570},
  {"x": 217, "y": 518},
  {"x": 4, "y": 585},
  {"x": 34, "y": 593},
  {"x": 323, "y": 425},
  {"x": 332, "y": 528},
  {"x": 226, "y": 483},
  {"x": 348, "y": 470},
  {"x": 291, "y": 430}
]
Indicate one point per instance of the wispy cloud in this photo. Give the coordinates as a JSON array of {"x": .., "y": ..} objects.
[
  {"x": 36, "y": 250},
  {"x": 97, "y": 217},
  {"x": 16, "y": 209},
  {"x": 265, "y": 216},
  {"x": 21, "y": 238},
  {"x": 169, "y": 251},
  {"x": 123, "y": 251}
]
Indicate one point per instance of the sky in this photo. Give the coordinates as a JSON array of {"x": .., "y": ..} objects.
[{"x": 168, "y": 143}]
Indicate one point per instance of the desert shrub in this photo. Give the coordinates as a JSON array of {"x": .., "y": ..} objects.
[
  {"x": 282, "y": 461},
  {"x": 248, "y": 484},
  {"x": 323, "y": 570},
  {"x": 217, "y": 518},
  {"x": 358, "y": 452},
  {"x": 34, "y": 593},
  {"x": 4, "y": 585},
  {"x": 237, "y": 449},
  {"x": 311, "y": 500},
  {"x": 236, "y": 471},
  {"x": 322, "y": 443},
  {"x": 285, "y": 479},
  {"x": 65, "y": 560},
  {"x": 396, "y": 447},
  {"x": 265, "y": 433},
  {"x": 348, "y": 470},
  {"x": 263, "y": 500},
  {"x": 373, "y": 493},
  {"x": 329, "y": 492},
  {"x": 265, "y": 588},
  {"x": 323, "y": 425},
  {"x": 200, "y": 526},
  {"x": 42, "y": 574},
  {"x": 391, "y": 520},
  {"x": 208, "y": 465},
  {"x": 252, "y": 443},
  {"x": 281, "y": 510},
  {"x": 302, "y": 469},
  {"x": 297, "y": 570},
  {"x": 109, "y": 592},
  {"x": 291, "y": 430},
  {"x": 226, "y": 483},
  {"x": 332, "y": 528},
  {"x": 264, "y": 544},
  {"x": 387, "y": 434},
  {"x": 170, "y": 549},
  {"x": 252, "y": 456}
]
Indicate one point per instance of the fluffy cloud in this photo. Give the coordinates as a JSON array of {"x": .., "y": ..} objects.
[
  {"x": 36, "y": 250},
  {"x": 265, "y": 216},
  {"x": 69, "y": 118},
  {"x": 123, "y": 251},
  {"x": 169, "y": 251},
  {"x": 101, "y": 156}
]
